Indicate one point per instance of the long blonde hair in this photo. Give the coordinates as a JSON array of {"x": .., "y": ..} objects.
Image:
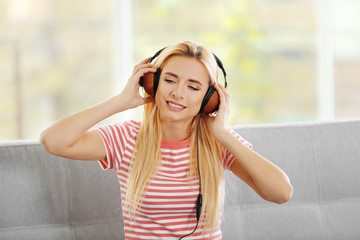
[{"x": 147, "y": 153}]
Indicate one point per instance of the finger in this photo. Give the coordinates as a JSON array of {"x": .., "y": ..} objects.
[
  {"x": 224, "y": 105},
  {"x": 146, "y": 70},
  {"x": 145, "y": 61},
  {"x": 222, "y": 88},
  {"x": 141, "y": 66},
  {"x": 225, "y": 92},
  {"x": 220, "y": 91},
  {"x": 142, "y": 71}
]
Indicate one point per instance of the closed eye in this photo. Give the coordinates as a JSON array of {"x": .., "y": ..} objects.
[
  {"x": 194, "y": 88},
  {"x": 169, "y": 81}
]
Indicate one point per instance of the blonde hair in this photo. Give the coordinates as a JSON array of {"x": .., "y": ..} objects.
[{"x": 147, "y": 153}]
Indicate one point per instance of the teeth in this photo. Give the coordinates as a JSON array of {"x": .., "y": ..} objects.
[{"x": 174, "y": 105}]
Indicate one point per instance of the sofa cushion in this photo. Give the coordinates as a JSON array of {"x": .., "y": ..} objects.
[{"x": 49, "y": 197}]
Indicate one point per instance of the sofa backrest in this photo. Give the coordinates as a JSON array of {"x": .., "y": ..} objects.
[
  {"x": 322, "y": 161},
  {"x": 48, "y": 197}
]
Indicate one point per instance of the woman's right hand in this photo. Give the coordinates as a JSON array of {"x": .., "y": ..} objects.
[
  {"x": 70, "y": 137},
  {"x": 131, "y": 91}
]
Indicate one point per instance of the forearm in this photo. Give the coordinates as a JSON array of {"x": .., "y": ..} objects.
[
  {"x": 69, "y": 130},
  {"x": 272, "y": 183}
]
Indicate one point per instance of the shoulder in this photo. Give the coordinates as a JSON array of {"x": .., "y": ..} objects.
[
  {"x": 132, "y": 125},
  {"x": 132, "y": 128},
  {"x": 129, "y": 129}
]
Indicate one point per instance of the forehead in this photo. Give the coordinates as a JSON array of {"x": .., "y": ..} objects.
[{"x": 186, "y": 68}]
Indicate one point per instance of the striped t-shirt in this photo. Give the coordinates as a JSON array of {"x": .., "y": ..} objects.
[{"x": 167, "y": 210}]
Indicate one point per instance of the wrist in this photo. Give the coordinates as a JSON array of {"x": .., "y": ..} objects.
[
  {"x": 226, "y": 138},
  {"x": 220, "y": 133}
]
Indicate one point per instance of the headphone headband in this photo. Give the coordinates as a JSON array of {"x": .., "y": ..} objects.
[
  {"x": 156, "y": 54},
  {"x": 221, "y": 66},
  {"x": 218, "y": 61}
]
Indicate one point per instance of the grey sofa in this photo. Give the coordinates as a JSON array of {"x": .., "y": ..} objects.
[{"x": 47, "y": 197}]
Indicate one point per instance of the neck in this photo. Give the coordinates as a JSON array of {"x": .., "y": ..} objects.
[{"x": 172, "y": 131}]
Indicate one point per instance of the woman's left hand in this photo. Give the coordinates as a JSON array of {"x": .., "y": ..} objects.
[{"x": 217, "y": 123}]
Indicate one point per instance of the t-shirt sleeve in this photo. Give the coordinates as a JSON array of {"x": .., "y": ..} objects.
[
  {"x": 228, "y": 157},
  {"x": 115, "y": 138}
]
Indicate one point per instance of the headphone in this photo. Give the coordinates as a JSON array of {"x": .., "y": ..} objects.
[{"x": 210, "y": 103}]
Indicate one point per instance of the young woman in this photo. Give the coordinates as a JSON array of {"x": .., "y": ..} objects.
[{"x": 159, "y": 166}]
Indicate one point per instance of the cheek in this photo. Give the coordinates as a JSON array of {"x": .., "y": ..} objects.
[
  {"x": 160, "y": 91},
  {"x": 196, "y": 99}
]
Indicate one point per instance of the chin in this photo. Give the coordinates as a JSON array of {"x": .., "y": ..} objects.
[{"x": 175, "y": 117}]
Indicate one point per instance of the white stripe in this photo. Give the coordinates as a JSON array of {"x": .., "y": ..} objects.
[
  {"x": 173, "y": 188},
  {"x": 169, "y": 201},
  {"x": 178, "y": 225},
  {"x": 162, "y": 215},
  {"x": 169, "y": 194},
  {"x": 167, "y": 211},
  {"x": 166, "y": 150},
  {"x": 168, "y": 206},
  {"x": 185, "y": 169},
  {"x": 183, "y": 181},
  {"x": 171, "y": 176},
  {"x": 167, "y": 161},
  {"x": 149, "y": 237}
]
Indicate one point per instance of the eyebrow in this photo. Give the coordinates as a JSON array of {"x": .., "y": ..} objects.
[{"x": 190, "y": 80}]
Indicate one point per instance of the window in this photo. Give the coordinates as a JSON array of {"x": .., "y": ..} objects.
[
  {"x": 58, "y": 57},
  {"x": 268, "y": 49},
  {"x": 347, "y": 58}
]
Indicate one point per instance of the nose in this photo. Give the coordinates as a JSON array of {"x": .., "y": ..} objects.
[{"x": 178, "y": 91}]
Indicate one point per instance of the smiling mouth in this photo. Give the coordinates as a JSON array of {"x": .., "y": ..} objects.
[{"x": 175, "y": 105}]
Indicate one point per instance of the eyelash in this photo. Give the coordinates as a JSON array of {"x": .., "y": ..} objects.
[
  {"x": 194, "y": 88},
  {"x": 169, "y": 81},
  {"x": 191, "y": 87}
]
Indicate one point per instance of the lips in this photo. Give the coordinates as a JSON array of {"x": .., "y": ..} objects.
[{"x": 175, "y": 105}]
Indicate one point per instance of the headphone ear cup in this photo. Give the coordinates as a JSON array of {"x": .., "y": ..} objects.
[
  {"x": 211, "y": 101},
  {"x": 150, "y": 82}
]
